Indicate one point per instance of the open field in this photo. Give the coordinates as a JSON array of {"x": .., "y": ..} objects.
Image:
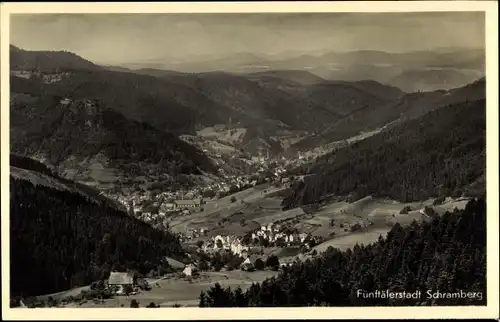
[
  {"x": 60, "y": 295},
  {"x": 383, "y": 214},
  {"x": 230, "y": 135},
  {"x": 182, "y": 292},
  {"x": 216, "y": 210},
  {"x": 334, "y": 220},
  {"x": 270, "y": 218},
  {"x": 349, "y": 240}
]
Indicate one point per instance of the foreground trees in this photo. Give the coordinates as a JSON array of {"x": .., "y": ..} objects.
[
  {"x": 447, "y": 254},
  {"x": 61, "y": 240}
]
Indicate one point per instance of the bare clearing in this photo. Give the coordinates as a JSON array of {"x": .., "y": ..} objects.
[{"x": 230, "y": 135}]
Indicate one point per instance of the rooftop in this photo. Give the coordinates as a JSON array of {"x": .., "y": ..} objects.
[
  {"x": 188, "y": 202},
  {"x": 175, "y": 263},
  {"x": 120, "y": 278}
]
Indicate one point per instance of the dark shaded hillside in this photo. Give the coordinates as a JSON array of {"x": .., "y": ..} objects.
[
  {"x": 345, "y": 98},
  {"x": 447, "y": 255},
  {"x": 297, "y": 99},
  {"x": 375, "y": 88},
  {"x": 29, "y": 164},
  {"x": 183, "y": 103},
  {"x": 424, "y": 80},
  {"x": 261, "y": 103},
  {"x": 81, "y": 131},
  {"x": 48, "y": 61},
  {"x": 39, "y": 174},
  {"x": 407, "y": 107},
  {"x": 167, "y": 106},
  {"x": 297, "y": 76},
  {"x": 70, "y": 241},
  {"x": 436, "y": 155}
]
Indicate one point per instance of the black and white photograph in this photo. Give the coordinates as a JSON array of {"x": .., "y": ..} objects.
[{"x": 248, "y": 159}]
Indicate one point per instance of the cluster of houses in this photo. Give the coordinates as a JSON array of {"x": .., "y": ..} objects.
[
  {"x": 273, "y": 235},
  {"x": 227, "y": 243},
  {"x": 181, "y": 205},
  {"x": 193, "y": 233},
  {"x": 240, "y": 245},
  {"x": 224, "y": 187},
  {"x": 160, "y": 205},
  {"x": 167, "y": 202}
]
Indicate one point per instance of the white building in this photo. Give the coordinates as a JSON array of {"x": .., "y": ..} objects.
[
  {"x": 169, "y": 206},
  {"x": 189, "y": 270}
]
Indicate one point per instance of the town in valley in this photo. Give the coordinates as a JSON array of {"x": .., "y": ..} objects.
[{"x": 239, "y": 160}]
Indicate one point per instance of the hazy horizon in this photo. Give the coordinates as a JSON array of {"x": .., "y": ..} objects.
[{"x": 116, "y": 39}]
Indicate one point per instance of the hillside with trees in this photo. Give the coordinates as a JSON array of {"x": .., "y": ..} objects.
[
  {"x": 182, "y": 103},
  {"x": 39, "y": 174},
  {"x": 429, "y": 79},
  {"x": 69, "y": 134},
  {"x": 61, "y": 239},
  {"x": 404, "y": 108},
  {"x": 48, "y": 61},
  {"x": 446, "y": 254},
  {"x": 438, "y": 154}
]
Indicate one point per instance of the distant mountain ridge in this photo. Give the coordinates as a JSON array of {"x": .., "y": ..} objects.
[
  {"x": 48, "y": 61},
  {"x": 463, "y": 64}
]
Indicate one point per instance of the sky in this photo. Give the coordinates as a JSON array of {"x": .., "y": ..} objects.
[{"x": 123, "y": 38}]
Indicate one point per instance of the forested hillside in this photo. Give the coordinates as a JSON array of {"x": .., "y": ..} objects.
[
  {"x": 74, "y": 132},
  {"x": 48, "y": 61},
  {"x": 405, "y": 107},
  {"x": 61, "y": 240},
  {"x": 438, "y": 154},
  {"x": 182, "y": 103},
  {"x": 447, "y": 254},
  {"x": 39, "y": 174},
  {"x": 430, "y": 79}
]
